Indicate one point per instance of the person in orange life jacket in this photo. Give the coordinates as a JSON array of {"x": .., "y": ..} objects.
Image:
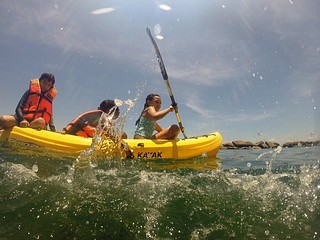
[
  {"x": 34, "y": 109},
  {"x": 85, "y": 124},
  {"x": 147, "y": 122}
]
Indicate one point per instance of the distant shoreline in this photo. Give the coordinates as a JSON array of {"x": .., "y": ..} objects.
[{"x": 241, "y": 144}]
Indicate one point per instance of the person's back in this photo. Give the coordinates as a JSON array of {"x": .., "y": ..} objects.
[{"x": 85, "y": 124}]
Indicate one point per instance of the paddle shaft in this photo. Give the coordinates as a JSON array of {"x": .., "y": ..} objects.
[{"x": 166, "y": 79}]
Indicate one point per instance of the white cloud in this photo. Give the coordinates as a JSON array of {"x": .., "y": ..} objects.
[
  {"x": 194, "y": 103},
  {"x": 248, "y": 117}
]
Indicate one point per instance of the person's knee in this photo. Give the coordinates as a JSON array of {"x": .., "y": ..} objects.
[
  {"x": 124, "y": 136},
  {"x": 41, "y": 120},
  {"x": 7, "y": 121},
  {"x": 3, "y": 121},
  {"x": 38, "y": 123},
  {"x": 175, "y": 128},
  {"x": 174, "y": 131},
  {"x": 42, "y": 123}
]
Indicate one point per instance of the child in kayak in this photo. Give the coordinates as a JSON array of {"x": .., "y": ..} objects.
[
  {"x": 34, "y": 109},
  {"x": 85, "y": 124},
  {"x": 147, "y": 122}
]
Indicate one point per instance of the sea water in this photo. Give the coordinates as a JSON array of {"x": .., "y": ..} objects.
[{"x": 241, "y": 194}]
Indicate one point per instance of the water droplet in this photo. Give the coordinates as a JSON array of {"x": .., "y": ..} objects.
[
  {"x": 35, "y": 168},
  {"x": 157, "y": 29},
  {"x": 102, "y": 11},
  {"x": 118, "y": 102},
  {"x": 164, "y": 7}
]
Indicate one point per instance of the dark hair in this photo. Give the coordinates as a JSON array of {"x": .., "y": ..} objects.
[
  {"x": 106, "y": 105},
  {"x": 48, "y": 76},
  {"x": 148, "y": 98}
]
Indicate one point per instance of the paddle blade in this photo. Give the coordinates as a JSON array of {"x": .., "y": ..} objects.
[{"x": 160, "y": 60}]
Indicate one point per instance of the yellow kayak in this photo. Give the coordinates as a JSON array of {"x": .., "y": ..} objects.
[{"x": 206, "y": 145}]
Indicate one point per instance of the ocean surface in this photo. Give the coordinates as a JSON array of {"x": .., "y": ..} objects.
[{"x": 241, "y": 194}]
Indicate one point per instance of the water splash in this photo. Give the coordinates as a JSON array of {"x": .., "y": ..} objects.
[
  {"x": 106, "y": 144},
  {"x": 135, "y": 200},
  {"x": 273, "y": 153}
]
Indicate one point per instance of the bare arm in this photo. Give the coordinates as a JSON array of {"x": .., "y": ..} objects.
[
  {"x": 153, "y": 114},
  {"x": 51, "y": 124},
  {"x": 20, "y": 105}
]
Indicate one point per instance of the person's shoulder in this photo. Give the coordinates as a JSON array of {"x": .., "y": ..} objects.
[
  {"x": 147, "y": 109},
  {"x": 25, "y": 94},
  {"x": 92, "y": 112}
]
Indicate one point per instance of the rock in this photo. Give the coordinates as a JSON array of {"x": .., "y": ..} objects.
[
  {"x": 288, "y": 145},
  {"x": 316, "y": 143},
  {"x": 256, "y": 147},
  {"x": 301, "y": 144},
  {"x": 267, "y": 144},
  {"x": 272, "y": 144},
  {"x": 242, "y": 144},
  {"x": 262, "y": 144},
  {"x": 228, "y": 145}
]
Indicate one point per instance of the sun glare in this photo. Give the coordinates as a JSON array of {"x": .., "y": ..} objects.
[
  {"x": 102, "y": 11},
  {"x": 164, "y": 7}
]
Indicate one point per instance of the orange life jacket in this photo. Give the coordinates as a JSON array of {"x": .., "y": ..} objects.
[
  {"x": 83, "y": 128},
  {"x": 38, "y": 104}
]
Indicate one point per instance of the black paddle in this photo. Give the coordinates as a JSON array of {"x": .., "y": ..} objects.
[{"x": 165, "y": 77}]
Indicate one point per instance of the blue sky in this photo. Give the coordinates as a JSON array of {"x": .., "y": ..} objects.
[{"x": 248, "y": 69}]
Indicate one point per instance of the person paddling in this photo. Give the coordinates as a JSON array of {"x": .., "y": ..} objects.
[
  {"x": 147, "y": 122},
  {"x": 34, "y": 109}
]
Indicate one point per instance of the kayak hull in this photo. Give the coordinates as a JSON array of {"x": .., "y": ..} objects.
[{"x": 206, "y": 145}]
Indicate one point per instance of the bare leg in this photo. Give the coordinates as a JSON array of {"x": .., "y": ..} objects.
[
  {"x": 38, "y": 123},
  {"x": 124, "y": 136},
  {"x": 138, "y": 137},
  {"x": 7, "y": 121},
  {"x": 168, "y": 133}
]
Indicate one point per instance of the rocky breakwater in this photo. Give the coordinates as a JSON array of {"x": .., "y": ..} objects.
[
  {"x": 240, "y": 144},
  {"x": 301, "y": 144}
]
